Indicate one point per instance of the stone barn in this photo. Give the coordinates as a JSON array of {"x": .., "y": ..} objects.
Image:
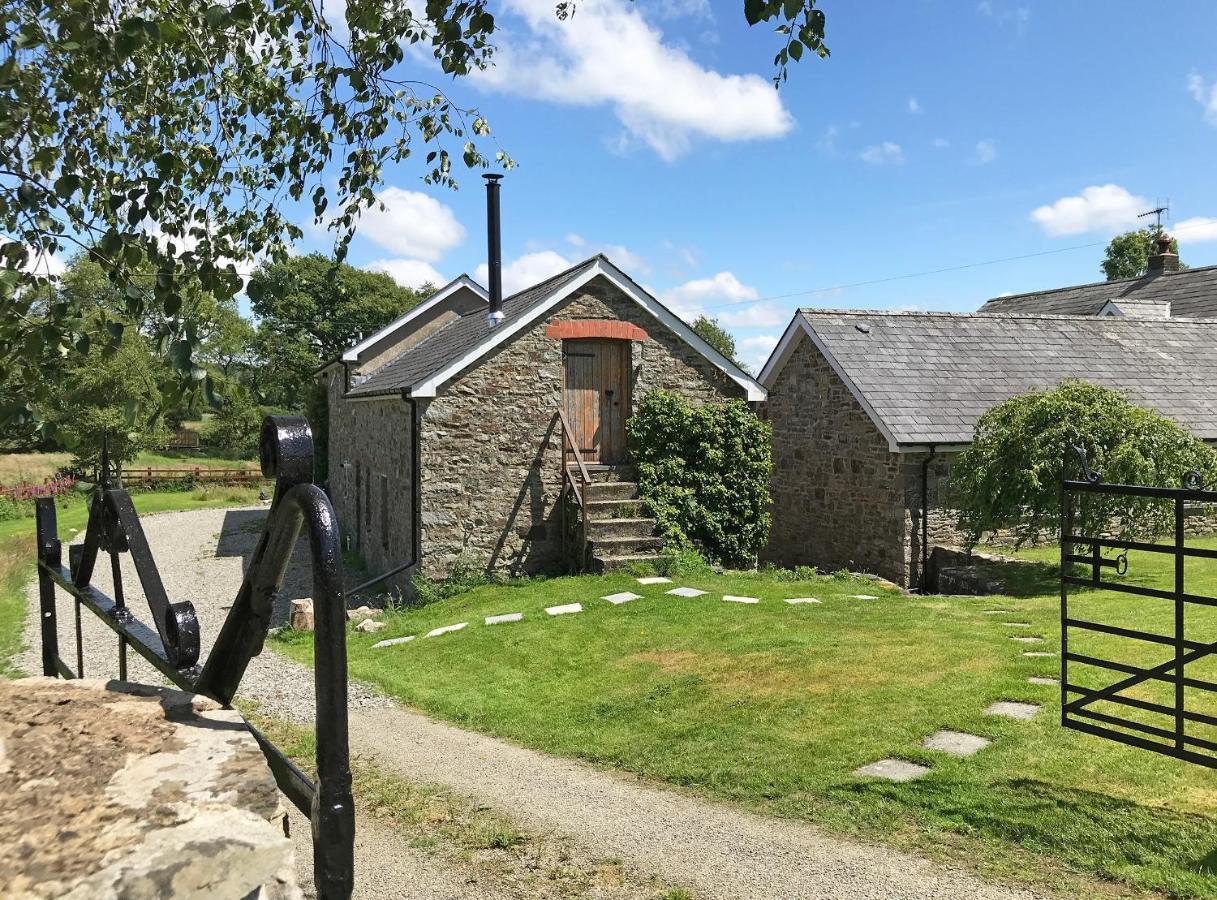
[
  {"x": 448, "y": 428},
  {"x": 869, "y": 409}
]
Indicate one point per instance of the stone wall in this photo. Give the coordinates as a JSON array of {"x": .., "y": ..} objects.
[
  {"x": 941, "y": 519},
  {"x": 491, "y": 445},
  {"x": 370, "y": 446},
  {"x": 838, "y": 491}
]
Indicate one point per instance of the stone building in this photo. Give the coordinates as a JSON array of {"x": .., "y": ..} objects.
[
  {"x": 445, "y": 438},
  {"x": 869, "y": 409}
]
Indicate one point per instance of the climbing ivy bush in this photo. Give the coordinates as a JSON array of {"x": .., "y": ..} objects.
[
  {"x": 703, "y": 473},
  {"x": 1009, "y": 477}
]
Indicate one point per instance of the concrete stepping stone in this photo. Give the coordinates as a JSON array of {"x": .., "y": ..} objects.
[
  {"x": 956, "y": 743},
  {"x": 623, "y": 597},
  {"x": 1026, "y": 639},
  {"x": 731, "y": 598},
  {"x": 1017, "y": 624},
  {"x": 686, "y": 592},
  {"x": 445, "y": 629},
  {"x": 1038, "y": 653},
  {"x": 393, "y": 642},
  {"x": 893, "y": 770},
  {"x": 796, "y": 600},
  {"x": 1012, "y": 709},
  {"x": 505, "y": 617},
  {"x": 655, "y": 579},
  {"x": 1041, "y": 679},
  {"x": 865, "y": 597},
  {"x": 997, "y": 612},
  {"x": 565, "y": 609}
]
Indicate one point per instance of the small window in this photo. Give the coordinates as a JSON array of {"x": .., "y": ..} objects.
[{"x": 384, "y": 512}]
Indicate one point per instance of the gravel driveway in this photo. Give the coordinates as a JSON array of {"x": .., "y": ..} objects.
[{"x": 720, "y": 850}]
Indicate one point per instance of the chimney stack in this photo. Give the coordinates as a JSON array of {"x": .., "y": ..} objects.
[
  {"x": 494, "y": 253},
  {"x": 1163, "y": 262}
]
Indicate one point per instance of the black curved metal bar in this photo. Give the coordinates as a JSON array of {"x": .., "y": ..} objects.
[
  {"x": 1092, "y": 476},
  {"x": 298, "y": 506}
]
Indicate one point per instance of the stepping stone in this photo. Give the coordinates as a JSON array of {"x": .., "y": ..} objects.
[
  {"x": 565, "y": 609},
  {"x": 623, "y": 597},
  {"x": 1027, "y": 639},
  {"x": 892, "y": 770},
  {"x": 655, "y": 579},
  {"x": 506, "y": 617},
  {"x": 865, "y": 597},
  {"x": 1040, "y": 679},
  {"x": 686, "y": 592},
  {"x": 731, "y": 598},
  {"x": 393, "y": 642},
  {"x": 795, "y": 600},
  {"x": 998, "y": 612},
  {"x": 1038, "y": 653},
  {"x": 956, "y": 743},
  {"x": 436, "y": 632},
  {"x": 1017, "y": 624},
  {"x": 1012, "y": 709}
]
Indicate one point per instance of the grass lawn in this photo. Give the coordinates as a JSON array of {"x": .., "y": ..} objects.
[
  {"x": 774, "y": 706},
  {"x": 17, "y": 549}
]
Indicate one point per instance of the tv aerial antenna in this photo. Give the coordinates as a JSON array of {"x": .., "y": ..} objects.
[{"x": 1157, "y": 212}]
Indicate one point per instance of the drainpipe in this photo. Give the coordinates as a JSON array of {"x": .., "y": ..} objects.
[
  {"x": 494, "y": 253},
  {"x": 925, "y": 518},
  {"x": 416, "y": 500}
]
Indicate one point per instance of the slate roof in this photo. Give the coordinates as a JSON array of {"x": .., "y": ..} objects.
[
  {"x": 1192, "y": 294},
  {"x": 457, "y": 338},
  {"x": 927, "y": 377}
]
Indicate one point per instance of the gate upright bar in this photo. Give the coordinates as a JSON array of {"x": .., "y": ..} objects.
[{"x": 172, "y": 646}]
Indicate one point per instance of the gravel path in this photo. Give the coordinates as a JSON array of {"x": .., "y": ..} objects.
[{"x": 721, "y": 851}]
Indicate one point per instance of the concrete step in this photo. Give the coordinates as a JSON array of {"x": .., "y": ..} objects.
[
  {"x": 611, "y": 563},
  {"x": 613, "y": 509},
  {"x": 624, "y": 546},
  {"x": 620, "y": 528},
  {"x": 612, "y": 490},
  {"x": 602, "y": 472}
]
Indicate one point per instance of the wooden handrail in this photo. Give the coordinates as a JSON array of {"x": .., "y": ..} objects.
[{"x": 568, "y": 436}]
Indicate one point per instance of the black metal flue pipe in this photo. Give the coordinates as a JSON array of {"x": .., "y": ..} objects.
[{"x": 494, "y": 253}]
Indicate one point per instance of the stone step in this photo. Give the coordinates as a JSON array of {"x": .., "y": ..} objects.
[
  {"x": 613, "y": 490},
  {"x": 624, "y": 546},
  {"x": 603, "y": 472},
  {"x": 613, "y": 509},
  {"x": 602, "y": 564},
  {"x": 620, "y": 528}
]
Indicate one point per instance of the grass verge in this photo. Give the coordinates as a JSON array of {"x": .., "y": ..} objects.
[{"x": 774, "y": 706}]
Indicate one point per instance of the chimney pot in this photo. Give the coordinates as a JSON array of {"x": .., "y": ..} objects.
[{"x": 1164, "y": 261}]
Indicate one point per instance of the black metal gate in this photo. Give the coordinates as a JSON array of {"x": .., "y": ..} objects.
[
  {"x": 173, "y": 645},
  {"x": 1167, "y": 727}
]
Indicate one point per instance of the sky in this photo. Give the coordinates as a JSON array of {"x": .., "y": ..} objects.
[{"x": 980, "y": 147}]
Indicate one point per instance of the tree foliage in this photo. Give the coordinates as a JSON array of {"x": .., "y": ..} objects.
[
  {"x": 174, "y": 140},
  {"x": 1009, "y": 476},
  {"x": 716, "y": 336},
  {"x": 1127, "y": 255},
  {"x": 703, "y": 473},
  {"x": 310, "y": 309}
]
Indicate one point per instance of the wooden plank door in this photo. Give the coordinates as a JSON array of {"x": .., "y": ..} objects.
[{"x": 596, "y": 394}]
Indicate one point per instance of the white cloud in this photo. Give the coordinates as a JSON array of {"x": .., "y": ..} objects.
[
  {"x": 986, "y": 152},
  {"x": 626, "y": 259},
  {"x": 409, "y": 273},
  {"x": 758, "y": 315},
  {"x": 687, "y": 300},
  {"x": 412, "y": 224},
  {"x": 525, "y": 271},
  {"x": 754, "y": 351},
  {"x": 883, "y": 154},
  {"x": 941, "y": 143},
  {"x": 607, "y": 54},
  {"x": 1196, "y": 230},
  {"x": 45, "y": 265},
  {"x": 1098, "y": 208},
  {"x": 576, "y": 240},
  {"x": 914, "y": 106},
  {"x": 1205, "y": 94},
  {"x": 1018, "y": 16}
]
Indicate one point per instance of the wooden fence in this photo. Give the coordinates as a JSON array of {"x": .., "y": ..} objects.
[{"x": 197, "y": 474}]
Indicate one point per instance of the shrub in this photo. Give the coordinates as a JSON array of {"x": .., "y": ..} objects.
[
  {"x": 234, "y": 430},
  {"x": 703, "y": 472},
  {"x": 1009, "y": 477}
]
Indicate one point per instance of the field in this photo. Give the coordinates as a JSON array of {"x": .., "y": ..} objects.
[
  {"x": 34, "y": 468},
  {"x": 774, "y": 706}
]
